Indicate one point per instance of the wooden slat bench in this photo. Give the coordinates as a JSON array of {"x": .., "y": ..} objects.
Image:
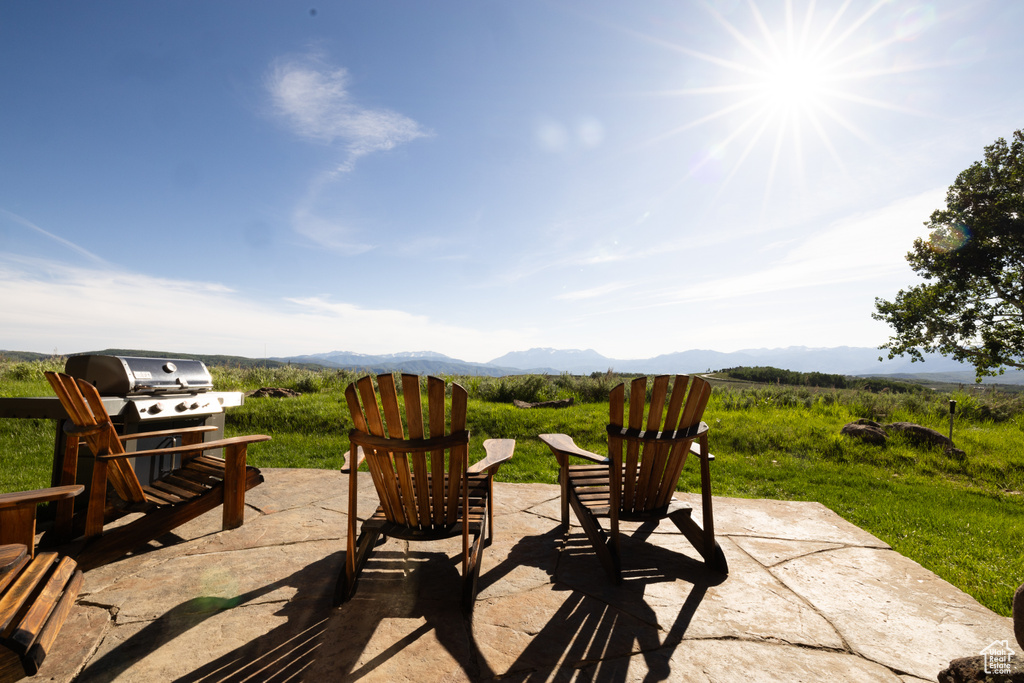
[{"x": 37, "y": 591}]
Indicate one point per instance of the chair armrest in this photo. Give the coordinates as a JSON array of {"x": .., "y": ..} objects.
[
  {"x": 498, "y": 451},
  {"x": 168, "y": 432},
  {"x": 19, "y": 498},
  {"x": 695, "y": 449},
  {"x": 360, "y": 456},
  {"x": 562, "y": 445},
  {"x": 195, "y": 448}
]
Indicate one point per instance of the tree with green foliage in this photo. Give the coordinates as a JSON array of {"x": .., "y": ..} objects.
[{"x": 971, "y": 304}]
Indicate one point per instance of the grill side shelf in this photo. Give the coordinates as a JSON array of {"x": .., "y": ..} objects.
[{"x": 49, "y": 407}]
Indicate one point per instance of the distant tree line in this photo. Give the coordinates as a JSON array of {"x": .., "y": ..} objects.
[{"x": 770, "y": 375}]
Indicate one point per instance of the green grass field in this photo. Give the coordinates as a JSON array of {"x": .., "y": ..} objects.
[{"x": 959, "y": 517}]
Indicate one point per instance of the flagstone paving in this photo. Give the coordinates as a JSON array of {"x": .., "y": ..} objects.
[{"x": 809, "y": 597}]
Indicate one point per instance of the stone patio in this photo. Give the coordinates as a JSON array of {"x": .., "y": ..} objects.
[{"x": 809, "y": 597}]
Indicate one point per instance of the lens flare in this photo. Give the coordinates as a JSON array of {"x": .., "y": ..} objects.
[{"x": 949, "y": 238}]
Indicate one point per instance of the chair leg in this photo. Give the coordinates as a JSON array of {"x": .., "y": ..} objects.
[
  {"x": 469, "y": 581},
  {"x": 346, "y": 586},
  {"x": 490, "y": 509},
  {"x": 603, "y": 547},
  {"x": 233, "y": 510},
  {"x": 705, "y": 496},
  {"x": 712, "y": 553},
  {"x": 563, "y": 481}
]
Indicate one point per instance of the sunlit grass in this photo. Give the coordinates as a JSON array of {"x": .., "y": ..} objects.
[{"x": 26, "y": 454}]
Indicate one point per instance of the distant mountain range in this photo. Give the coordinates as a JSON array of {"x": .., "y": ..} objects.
[
  {"x": 842, "y": 360},
  {"x": 419, "y": 362}
]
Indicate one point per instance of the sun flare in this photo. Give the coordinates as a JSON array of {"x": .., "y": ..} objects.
[{"x": 790, "y": 80}]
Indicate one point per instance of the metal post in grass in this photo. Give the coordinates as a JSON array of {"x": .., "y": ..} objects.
[{"x": 952, "y": 411}]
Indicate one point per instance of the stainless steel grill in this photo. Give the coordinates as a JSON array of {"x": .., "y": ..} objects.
[
  {"x": 141, "y": 395},
  {"x": 130, "y": 375}
]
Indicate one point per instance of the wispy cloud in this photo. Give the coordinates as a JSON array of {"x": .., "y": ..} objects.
[
  {"x": 314, "y": 98},
  {"x": 333, "y": 232},
  {"x": 869, "y": 246},
  {"x": 56, "y": 238},
  {"x": 76, "y": 308},
  {"x": 592, "y": 293}
]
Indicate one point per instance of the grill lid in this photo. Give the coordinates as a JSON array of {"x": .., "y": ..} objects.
[{"x": 131, "y": 375}]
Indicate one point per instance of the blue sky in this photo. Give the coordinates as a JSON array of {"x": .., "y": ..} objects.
[{"x": 474, "y": 178}]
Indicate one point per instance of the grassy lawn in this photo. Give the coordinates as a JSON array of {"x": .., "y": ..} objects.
[{"x": 959, "y": 517}]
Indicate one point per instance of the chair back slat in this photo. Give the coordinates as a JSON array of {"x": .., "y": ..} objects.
[
  {"x": 458, "y": 455},
  {"x": 413, "y": 405},
  {"x": 414, "y": 423},
  {"x": 657, "y": 405},
  {"x": 435, "y": 425},
  {"x": 696, "y": 402},
  {"x": 354, "y": 409},
  {"x": 389, "y": 404},
  {"x": 380, "y": 462},
  {"x": 616, "y": 412},
  {"x": 649, "y": 454},
  {"x": 659, "y": 454},
  {"x": 675, "y": 403},
  {"x": 71, "y": 399},
  {"x": 675, "y": 455},
  {"x": 393, "y": 416},
  {"x": 84, "y": 406},
  {"x": 650, "y": 473},
  {"x": 420, "y": 484},
  {"x": 371, "y": 412},
  {"x": 637, "y": 399},
  {"x": 366, "y": 419}
]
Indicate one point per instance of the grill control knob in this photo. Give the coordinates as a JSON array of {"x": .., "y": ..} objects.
[
  {"x": 181, "y": 407},
  {"x": 155, "y": 408}
]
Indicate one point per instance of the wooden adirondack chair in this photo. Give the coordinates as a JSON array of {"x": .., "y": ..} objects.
[
  {"x": 37, "y": 591},
  {"x": 637, "y": 480},
  {"x": 427, "y": 490},
  {"x": 201, "y": 484}
]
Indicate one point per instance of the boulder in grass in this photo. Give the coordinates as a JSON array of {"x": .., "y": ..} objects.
[
  {"x": 956, "y": 453},
  {"x": 560, "y": 403},
  {"x": 922, "y": 436},
  {"x": 1018, "y": 615},
  {"x": 273, "y": 392},
  {"x": 871, "y": 433}
]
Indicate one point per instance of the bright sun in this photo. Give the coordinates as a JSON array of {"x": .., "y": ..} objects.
[
  {"x": 790, "y": 78},
  {"x": 793, "y": 82}
]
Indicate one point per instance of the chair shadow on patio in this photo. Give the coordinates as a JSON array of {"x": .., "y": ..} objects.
[
  {"x": 279, "y": 654},
  {"x": 404, "y": 608},
  {"x": 404, "y": 612},
  {"x": 599, "y": 626}
]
